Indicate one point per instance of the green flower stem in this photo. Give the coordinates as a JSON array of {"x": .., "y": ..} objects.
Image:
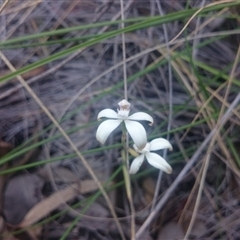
[
  {"x": 125, "y": 159},
  {"x": 127, "y": 181}
]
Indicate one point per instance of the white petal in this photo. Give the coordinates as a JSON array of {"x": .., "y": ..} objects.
[
  {"x": 105, "y": 128},
  {"x": 137, "y": 133},
  {"x": 136, "y": 164},
  {"x": 160, "y": 143},
  {"x": 108, "y": 113},
  {"x": 158, "y": 162},
  {"x": 141, "y": 116},
  {"x": 123, "y": 114}
]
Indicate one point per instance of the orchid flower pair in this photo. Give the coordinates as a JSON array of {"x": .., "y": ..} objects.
[{"x": 137, "y": 133}]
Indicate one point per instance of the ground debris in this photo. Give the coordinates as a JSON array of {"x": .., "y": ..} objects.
[{"x": 21, "y": 194}]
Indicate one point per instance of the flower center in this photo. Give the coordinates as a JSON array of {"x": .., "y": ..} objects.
[
  {"x": 123, "y": 114},
  {"x": 124, "y": 105},
  {"x": 146, "y": 148},
  {"x": 124, "y": 109}
]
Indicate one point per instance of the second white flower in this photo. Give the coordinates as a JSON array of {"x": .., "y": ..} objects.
[{"x": 153, "y": 159}]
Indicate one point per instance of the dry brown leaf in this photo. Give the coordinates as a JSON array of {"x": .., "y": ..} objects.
[
  {"x": 35, "y": 232},
  {"x": 49, "y": 204},
  {"x": 149, "y": 189},
  {"x": 59, "y": 174},
  {"x": 29, "y": 74},
  {"x": 6, "y": 233},
  {"x": 199, "y": 228},
  {"x": 171, "y": 231},
  {"x": 21, "y": 194},
  {"x": 4, "y": 148},
  {"x": 1, "y": 224},
  {"x": 9, "y": 236}
]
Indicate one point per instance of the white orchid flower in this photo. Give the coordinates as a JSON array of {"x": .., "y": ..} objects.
[
  {"x": 135, "y": 129},
  {"x": 153, "y": 159}
]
